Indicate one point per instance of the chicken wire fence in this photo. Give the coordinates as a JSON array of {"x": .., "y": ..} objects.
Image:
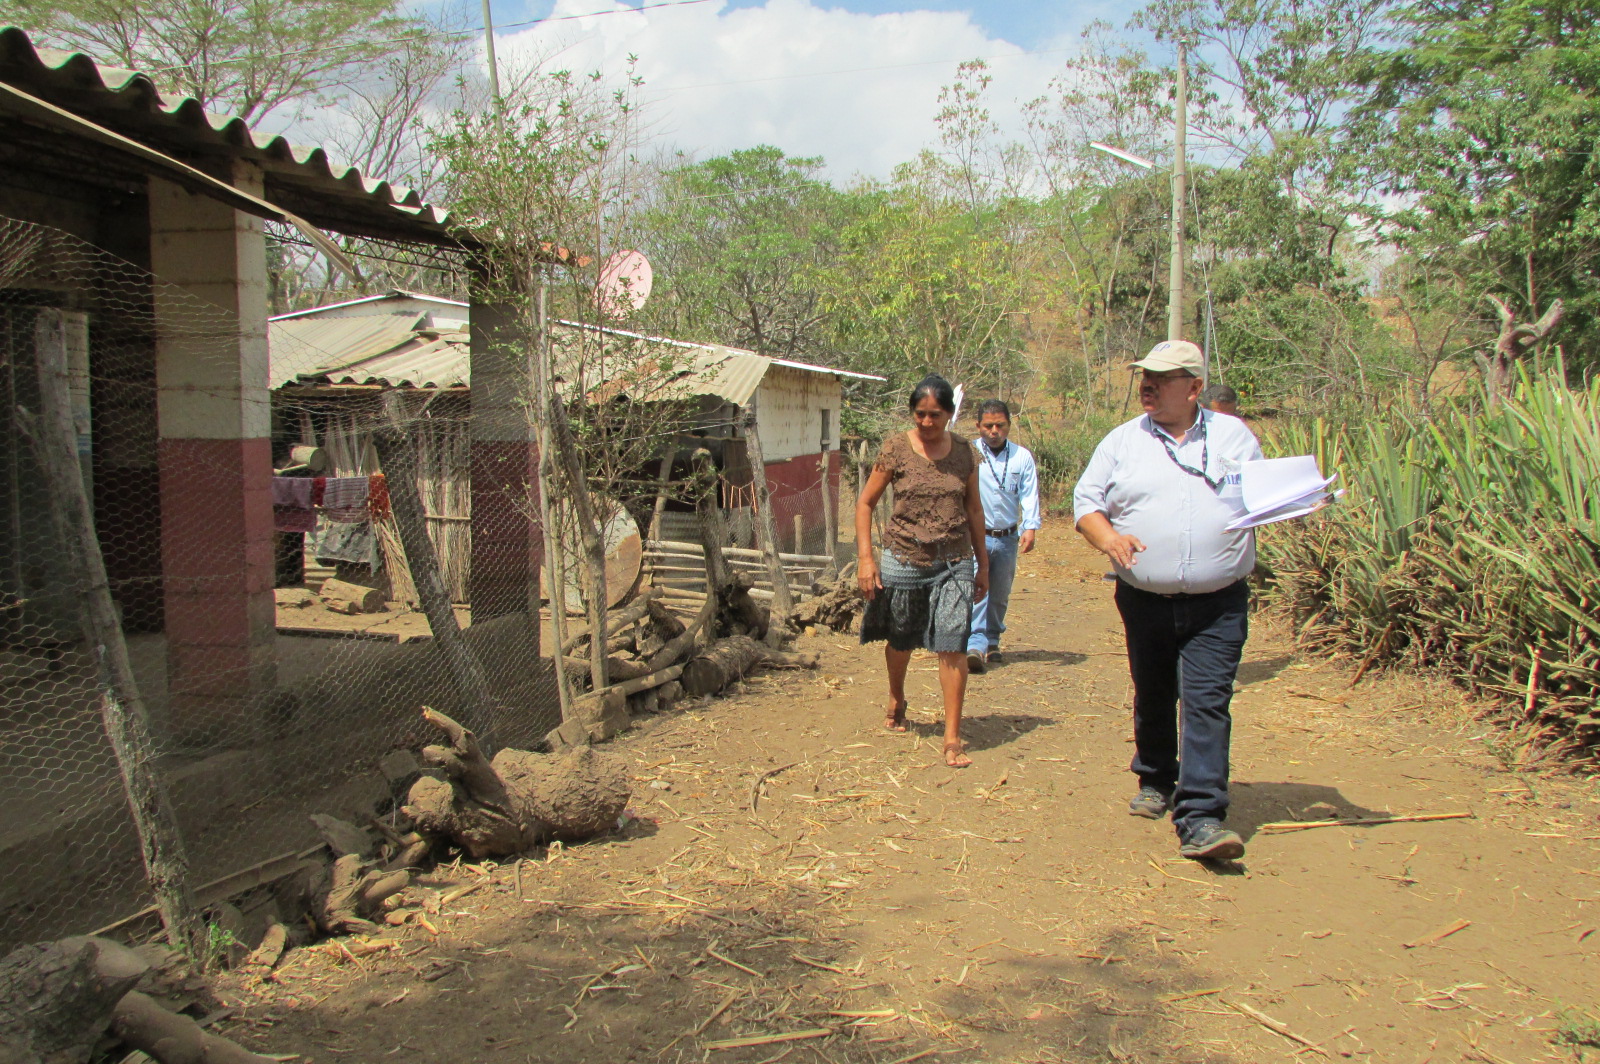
[{"x": 223, "y": 504}]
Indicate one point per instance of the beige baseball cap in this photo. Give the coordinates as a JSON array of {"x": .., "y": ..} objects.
[{"x": 1174, "y": 354}]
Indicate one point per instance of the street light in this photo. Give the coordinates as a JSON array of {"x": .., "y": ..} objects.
[
  {"x": 1125, "y": 156},
  {"x": 1180, "y": 183}
]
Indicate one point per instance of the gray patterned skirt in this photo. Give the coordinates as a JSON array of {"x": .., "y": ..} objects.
[{"x": 927, "y": 607}]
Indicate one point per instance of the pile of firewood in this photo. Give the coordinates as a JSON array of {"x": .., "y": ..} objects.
[{"x": 653, "y": 658}]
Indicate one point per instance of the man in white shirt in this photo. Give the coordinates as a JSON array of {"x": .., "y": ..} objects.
[
  {"x": 1156, "y": 498},
  {"x": 1008, "y": 482}
]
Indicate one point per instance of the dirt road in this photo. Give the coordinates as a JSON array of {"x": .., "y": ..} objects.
[{"x": 868, "y": 904}]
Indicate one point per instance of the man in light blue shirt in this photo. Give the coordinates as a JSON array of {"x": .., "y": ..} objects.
[
  {"x": 1008, "y": 482},
  {"x": 1156, "y": 498}
]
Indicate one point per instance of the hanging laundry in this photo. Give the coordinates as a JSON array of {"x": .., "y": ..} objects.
[
  {"x": 352, "y": 542},
  {"x": 344, "y": 500},
  {"x": 378, "y": 496},
  {"x": 291, "y": 505}
]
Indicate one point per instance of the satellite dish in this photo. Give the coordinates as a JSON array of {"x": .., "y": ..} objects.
[{"x": 624, "y": 283}]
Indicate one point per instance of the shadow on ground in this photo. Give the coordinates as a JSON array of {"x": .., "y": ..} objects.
[
  {"x": 1043, "y": 657},
  {"x": 1254, "y": 804},
  {"x": 985, "y": 731},
  {"x": 1262, "y": 670}
]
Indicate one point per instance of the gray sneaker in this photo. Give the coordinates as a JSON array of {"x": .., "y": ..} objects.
[
  {"x": 1151, "y": 803},
  {"x": 1208, "y": 840}
]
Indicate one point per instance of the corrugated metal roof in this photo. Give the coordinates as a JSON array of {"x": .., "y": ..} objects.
[
  {"x": 442, "y": 362},
  {"x": 303, "y": 180},
  {"x": 314, "y": 349},
  {"x": 392, "y": 295},
  {"x": 398, "y": 350}
]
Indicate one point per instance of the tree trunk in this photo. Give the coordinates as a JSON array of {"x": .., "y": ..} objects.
[
  {"x": 830, "y": 516},
  {"x": 555, "y": 562},
  {"x": 662, "y": 479},
  {"x": 782, "y": 602},
  {"x": 589, "y": 531},
  {"x": 397, "y": 455},
  {"x": 506, "y": 806},
  {"x": 122, "y": 710}
]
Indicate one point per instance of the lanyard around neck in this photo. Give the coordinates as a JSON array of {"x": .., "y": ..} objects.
[
  {"x": 988, "y": 460},
  {"x": 1205, "y": 451}
]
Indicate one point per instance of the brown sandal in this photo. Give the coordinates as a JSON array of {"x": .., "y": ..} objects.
[
  {"x": 896, "y": 720},
  {"x": 955, "y": 755}
]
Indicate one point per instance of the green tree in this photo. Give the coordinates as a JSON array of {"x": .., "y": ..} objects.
[
  {"x": 1483, "y": 123},
  {"x": 736, "y": 242}
]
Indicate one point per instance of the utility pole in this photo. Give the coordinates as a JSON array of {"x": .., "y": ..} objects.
[
  {"x": 488, "y": 40},
  {"x": 1180, "y": 186}
]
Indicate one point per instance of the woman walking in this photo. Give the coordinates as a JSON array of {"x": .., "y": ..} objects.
[{"x": 934, "y": 560}]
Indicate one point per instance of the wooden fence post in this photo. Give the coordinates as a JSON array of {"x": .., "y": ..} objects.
[
  {"x": 767, "y": 526},
  {"x": 830, "y": 517},
  {"x": 122, "y": 710}
]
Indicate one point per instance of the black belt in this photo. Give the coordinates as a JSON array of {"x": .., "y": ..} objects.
[{"x": 1001, "y": 533}]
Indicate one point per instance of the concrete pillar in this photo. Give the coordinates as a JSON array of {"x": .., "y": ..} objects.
[
  {"x": 507, "y": 540},
  {"x": 215, "y": 459}
]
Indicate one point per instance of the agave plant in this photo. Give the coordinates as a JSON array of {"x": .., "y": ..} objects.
[{"x": 1469, "y": 543}]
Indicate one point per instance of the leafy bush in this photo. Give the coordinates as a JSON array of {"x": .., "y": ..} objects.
[
  {"x": 1469, "y": 543},
  {"x": 1062, "y": 448}
]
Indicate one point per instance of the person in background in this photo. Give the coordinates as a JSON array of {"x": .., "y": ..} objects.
[
  {"x": 934, "y": 561},
  {"x": 1156, "y": 498},
  {"x": 1221, "y": 398},
  {"x": 1008, "y": 482}
]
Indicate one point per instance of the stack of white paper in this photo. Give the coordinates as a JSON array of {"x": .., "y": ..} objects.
[{"x": 1280, "y": 489}]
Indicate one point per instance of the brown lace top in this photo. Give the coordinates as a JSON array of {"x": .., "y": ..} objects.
[{"x": 929, "y": 520}]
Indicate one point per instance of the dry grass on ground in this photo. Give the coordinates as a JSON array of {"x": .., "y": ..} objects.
[{"x": 800, "y": 885}]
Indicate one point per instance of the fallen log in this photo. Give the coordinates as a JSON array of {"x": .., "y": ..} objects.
[
  {"x": 59, "y": 999},
  {"x": 56, "y": 999},
  {"x": 516, "y": 801},
  {"x": 340, "y": 596},
  {"x": 172, "y": 1038},
  {"x": 729, "y": 660},
  {"x": 616, "y": 620}
]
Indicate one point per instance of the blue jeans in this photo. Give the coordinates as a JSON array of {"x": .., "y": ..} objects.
[
  {"x": 989, "y": 612},
  {"x": 1184, "y": 648}
]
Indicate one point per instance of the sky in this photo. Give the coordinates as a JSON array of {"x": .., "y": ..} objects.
[{"x": 856, "y": 83}]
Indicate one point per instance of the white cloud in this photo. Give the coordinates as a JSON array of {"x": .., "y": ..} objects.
[{"x": 860, "y": 90}]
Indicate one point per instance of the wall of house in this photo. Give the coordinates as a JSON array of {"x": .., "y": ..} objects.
[{"x": 790, "y": 405}]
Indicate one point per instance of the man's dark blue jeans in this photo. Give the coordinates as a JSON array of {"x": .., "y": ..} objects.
[{"x": 1184, "y": 647}]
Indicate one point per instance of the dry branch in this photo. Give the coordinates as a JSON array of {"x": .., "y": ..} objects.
[
  {"x": 1275, "y": 1026},
  {"x": 768, "y": 1039},
  {"x": 1443, "y": 932},
  {"x": 1280, "y": 826}
]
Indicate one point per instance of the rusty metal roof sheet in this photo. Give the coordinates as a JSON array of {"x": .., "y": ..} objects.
[
  {"x": 303, "y": 180},
  {"x": 393, "y": 349}
]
